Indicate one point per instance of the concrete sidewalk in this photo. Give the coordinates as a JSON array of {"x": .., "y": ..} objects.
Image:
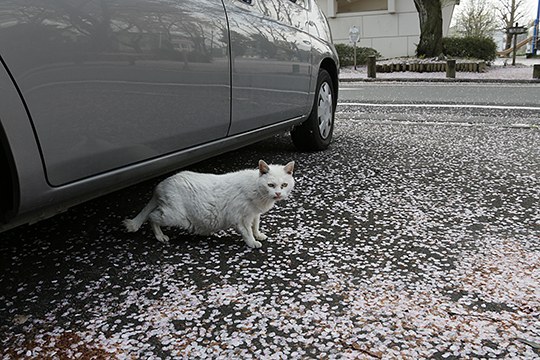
[{"x": 500, "y": 70}]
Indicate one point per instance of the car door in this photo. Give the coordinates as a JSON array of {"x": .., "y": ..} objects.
[
  {"x": 108, "y": 83},
  {"x": 271, "y": 62}
]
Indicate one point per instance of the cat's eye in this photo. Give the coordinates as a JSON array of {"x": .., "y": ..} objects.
[
  {"x": 284, "y": 185},
  {"x": 272, "y": 185}
]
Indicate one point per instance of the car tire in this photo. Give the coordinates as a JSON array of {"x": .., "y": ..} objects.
[{"x": 316, "y": 132}]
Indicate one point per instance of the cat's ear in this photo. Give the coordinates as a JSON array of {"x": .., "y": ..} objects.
[
  {"x": 263, "y": 167},
  {"x": 289, "y": 168}
]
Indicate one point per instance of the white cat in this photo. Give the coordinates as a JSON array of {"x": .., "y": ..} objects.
[{"x": 206, "y": 203}]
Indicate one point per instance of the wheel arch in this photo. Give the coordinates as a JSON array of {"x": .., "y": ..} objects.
[{"x": 329, "y": 65}]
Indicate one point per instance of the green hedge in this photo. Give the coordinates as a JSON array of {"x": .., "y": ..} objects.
[
  {"x": 346, "y": 54},
  {"x": 457, "y": 47},
  {"x": 470, "y": 47}
]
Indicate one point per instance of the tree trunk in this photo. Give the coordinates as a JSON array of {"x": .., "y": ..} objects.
[
  {"x": 509, "y": 24},
  {"x": 430, "y": 15}
]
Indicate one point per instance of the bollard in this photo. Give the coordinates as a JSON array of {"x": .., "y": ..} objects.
[
  {"x": 536, "y": 71},
  {"x": 371, "y": 67},
  {"x": 451, "y": 69}
]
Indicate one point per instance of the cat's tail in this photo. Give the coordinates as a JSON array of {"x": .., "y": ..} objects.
[{"x": 132, "y": 225}]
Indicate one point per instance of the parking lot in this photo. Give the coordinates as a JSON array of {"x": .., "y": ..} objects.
[{"x": 409, "y": 237}]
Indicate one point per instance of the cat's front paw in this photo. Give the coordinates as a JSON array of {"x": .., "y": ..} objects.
[
  {"x": 254, "y": 244},
  {"x": 260, "y": 236},
  {"x": 164, "y": 239}
]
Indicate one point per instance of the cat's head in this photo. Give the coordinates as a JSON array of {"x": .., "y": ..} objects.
[{"x": 276, "y": 181}]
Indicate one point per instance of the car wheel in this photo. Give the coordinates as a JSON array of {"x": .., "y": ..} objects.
[{"x": 316, "y": 132}]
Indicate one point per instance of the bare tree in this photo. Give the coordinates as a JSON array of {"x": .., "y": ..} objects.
[
  {"x": 509, "y": 12},
  {"x": 477, "y": 19}
]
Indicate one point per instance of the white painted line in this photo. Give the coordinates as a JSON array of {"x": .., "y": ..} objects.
[
  {"x": 457, "y": 106},
  {"x": 445, "y": 123},
  {"x": 355, "y": 86}
]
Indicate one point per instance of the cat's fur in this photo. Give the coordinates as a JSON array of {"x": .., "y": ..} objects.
[{"x": 206, "y": 203}]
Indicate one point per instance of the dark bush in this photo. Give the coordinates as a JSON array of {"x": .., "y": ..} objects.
[
  {"x": 470, "y": 47},
  {"x": 346, "y": 54}
]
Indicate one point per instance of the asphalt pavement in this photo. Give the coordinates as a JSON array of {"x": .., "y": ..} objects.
[
  {"x": 410, "y": 237},
  {"x": 507, "y": 96}
]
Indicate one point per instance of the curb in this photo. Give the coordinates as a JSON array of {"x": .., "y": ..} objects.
[{"x": 444, "y": 80}]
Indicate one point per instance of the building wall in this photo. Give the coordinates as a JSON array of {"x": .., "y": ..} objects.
[{"x": 393, "y": 32}]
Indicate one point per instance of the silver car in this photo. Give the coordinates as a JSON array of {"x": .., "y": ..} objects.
[{"x": 96, "y": 95}]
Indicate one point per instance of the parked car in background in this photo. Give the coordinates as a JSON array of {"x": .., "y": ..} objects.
[{"x": 97, "y": 95}]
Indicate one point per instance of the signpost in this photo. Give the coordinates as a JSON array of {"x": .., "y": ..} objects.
[
  {"x": 354, "y": 36},
  {"x": 515, "y": 31}
]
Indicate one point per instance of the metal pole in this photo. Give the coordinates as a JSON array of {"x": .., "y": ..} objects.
[
  {"x": 355, "y": 55},
  {"x": 515, "y": 31},
  {"x": 514, "y": 52},
  {"x": 535, "y": 34}
]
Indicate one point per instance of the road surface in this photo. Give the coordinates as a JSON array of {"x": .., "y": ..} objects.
[{"x": 417, "y": 234}]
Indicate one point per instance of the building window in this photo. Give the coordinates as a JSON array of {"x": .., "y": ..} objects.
[{"x": 350, "y": 6}]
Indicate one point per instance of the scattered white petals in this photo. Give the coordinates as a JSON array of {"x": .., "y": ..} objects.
[{"x": 425, "y": 243}]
